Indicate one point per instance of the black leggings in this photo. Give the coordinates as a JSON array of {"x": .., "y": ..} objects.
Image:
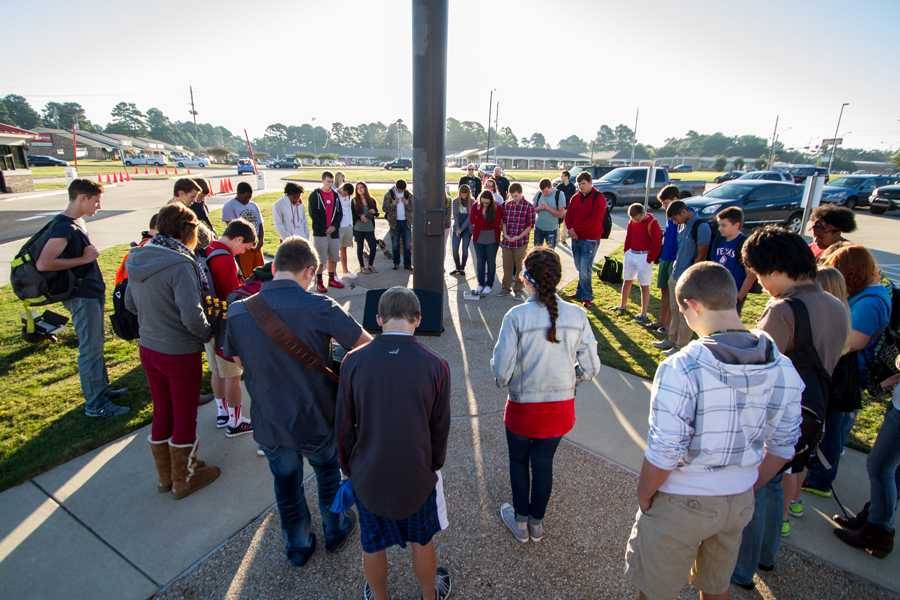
[{"x": 369, "y": 237}]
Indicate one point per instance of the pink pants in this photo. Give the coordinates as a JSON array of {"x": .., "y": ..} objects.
[{"x": 174, "y": 381}]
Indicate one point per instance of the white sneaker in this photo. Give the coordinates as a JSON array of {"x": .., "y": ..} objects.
[
  {"x": 486, "y": 291},
  {"x": 519, "y": 529},
  {"x": 477, "y": 291}
]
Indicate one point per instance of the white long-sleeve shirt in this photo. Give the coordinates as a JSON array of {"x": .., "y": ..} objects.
[{"x": 290, "y": 219}]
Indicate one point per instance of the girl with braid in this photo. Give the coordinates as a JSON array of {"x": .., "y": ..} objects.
[{"x": 544, "y": 349}]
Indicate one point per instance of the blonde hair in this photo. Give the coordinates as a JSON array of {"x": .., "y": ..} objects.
[
  {"x": 833, "y": 282},
  {"x": 339, "y": 179}
]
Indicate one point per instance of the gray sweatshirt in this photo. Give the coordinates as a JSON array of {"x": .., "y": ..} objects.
[{"x": 164, "y": 292}]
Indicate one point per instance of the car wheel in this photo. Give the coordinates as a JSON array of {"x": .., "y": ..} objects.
[
  {"x": 877, "y": 210},
  {"x": 851, "y": 202},
  {"x": 127, "y": 163},
  {"x": 794, "y": 222},
  {"x": 611, "y": 200}
]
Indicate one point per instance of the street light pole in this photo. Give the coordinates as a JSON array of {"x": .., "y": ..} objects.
[
  {"x": 637, "y": 112},
  {"x": 834, "y": 141},
  {"x": 774, "y": 137},
  {"x": 487, "y": 149}
]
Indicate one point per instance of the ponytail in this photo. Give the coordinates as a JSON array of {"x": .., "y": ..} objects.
[{"x": 544, "y": 271}]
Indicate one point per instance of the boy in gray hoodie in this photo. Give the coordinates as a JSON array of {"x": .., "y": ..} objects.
[{"x": 724, "y": 419}]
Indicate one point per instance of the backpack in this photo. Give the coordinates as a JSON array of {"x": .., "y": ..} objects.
[
  {"x": 611, "y": 271},
  {"x": 883, "y": 363},
  {"x": 818, "y": 387},
  {"x": 124, "y": 322},
  {"x": 34, "y": 287},
  {"x": 537, "y": 198}
]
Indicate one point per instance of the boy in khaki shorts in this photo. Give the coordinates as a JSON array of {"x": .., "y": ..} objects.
[{"x": 724, "y": 419}]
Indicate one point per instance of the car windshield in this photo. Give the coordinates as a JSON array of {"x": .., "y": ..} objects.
[
  {"x": 617, "y": 175},
  {"x": 846, "y": 182},
  {"x": 730, "y": 191}
]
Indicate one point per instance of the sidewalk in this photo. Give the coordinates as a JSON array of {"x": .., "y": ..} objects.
[{"x": 96, "y": 528}]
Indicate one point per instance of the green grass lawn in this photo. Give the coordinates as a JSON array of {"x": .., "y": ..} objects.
[
  {"x": 40, "y": 186},
  {"x": 378, "y": 175},
  {"x": 625, "y": 345}
]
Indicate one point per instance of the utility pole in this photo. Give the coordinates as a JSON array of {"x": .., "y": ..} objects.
[
  {"x": 496, "y": 128},
  {"x": 835, "y": 140},
  {"x": 194, "y": 114},
  {"x": 398, "y": 137},
  {"x": 487, "y": 150},
  {"x": 774, "y": 137},
  {"x": 637, "y": 113}
]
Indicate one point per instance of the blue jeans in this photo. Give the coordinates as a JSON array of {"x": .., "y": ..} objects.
[
  {"x": 531, "y": 473},
  {"x": 461, "y": 242},
  {"x": 584, "y": 251},
  {"x": 837, "y": 430},
  {"x": 87, "y": 319},
  {"x": 286, "y": 465},
  {"x": 762, "y": 536},
  {"x": 401, "y": 233},
  {"x": 545, "y": 237},
  {"x": 486, "y": 263},
  {"x": 883, "y": 465}
]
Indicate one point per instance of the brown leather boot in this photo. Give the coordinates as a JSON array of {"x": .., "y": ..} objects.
[
  {"x": 163, "y": 461},
  {"x": 853, "y": 522},
  {"x": 187, "y": 475},
  {"x": 875, "y": 540}
]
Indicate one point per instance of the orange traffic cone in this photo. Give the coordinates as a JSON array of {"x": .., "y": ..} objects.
[
  {"x": 108, "y": 180},
  {"x": 230, "y": 187},
  {"x": 146, "y": 171},
  {"x": 176, "y": 170},
  {"x": 135, "y": 170},
  {"x": 221, "y": 186},
  {"x": 99, "y": 178},
  {"x": 166, "y": 169},
  {"x": 127, "y": 176},
  {"x": 189, "y": 170}
]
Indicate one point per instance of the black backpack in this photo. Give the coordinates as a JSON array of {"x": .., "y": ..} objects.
[
  {"x": 124, "y": 322},
  {"x": 611, "y": 271},
  {"x": 883, "y": 363},
  {"x": 607, "y": 222},
  {"x": 37, "y": 288},
  {"x": 817, "y": 393}
]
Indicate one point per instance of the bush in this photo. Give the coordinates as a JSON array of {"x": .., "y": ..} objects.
[{"x": 720, "y": 163}]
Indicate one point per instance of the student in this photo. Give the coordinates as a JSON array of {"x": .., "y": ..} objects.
[
  {"x": 185, "y": 191},
  {"x": 146, "y": 236},
  {"x": 584, "y": 221},
  {"x": 550, "y": 208},
  {"x": 239, "y": 237},
  {"x": 345, "y": 232},
  {"x": 666, "y": 196},
  {"x": 326, "y": 214},
  {"x": 502, "y": 182},
  {"x": 460, "y": 209},
  {"x": 873, "y": 528},
  {"x": 487, "y": 225},
  {"x": 397, "y": 206},
  {"x": 471, "y": 180},
  {"x": 289, "y": 214},
  {"x": 241, "y": 206},
  {"x": 490, "y": 185},
  {"x": 568, "y": 188},
  {"x": 695, "y": 490},
  {"x": 786, "y": 269},
  {"x": 339, "y": 180},
  {"x": 165, "y": 290},
  {"x": 726, "y": 250},
  {"x": 70, "y": 249},
  {"x": 365, "y": 211},
  {"x": 199, "y": 205},
  {"x": 643, "y": 242},
  {"x": 828, "y": 224},
  {"x": 694, "y": 237},
  {"x": 293, "y": 401},
  {"x": 518, "y": 221},
  {"x": 544, "y": 349},
  {"x": 396, "y": 384}
]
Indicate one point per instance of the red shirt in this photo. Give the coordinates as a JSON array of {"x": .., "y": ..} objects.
[
  {"x": 480, "y": 223},
  {"x": 585, "y": 215},
  {"x": 540, "y": 419},
  {"x": 328, "y": 201},
  {"x": 644, "y": 236},
  {"x": 224, "y": 271}
]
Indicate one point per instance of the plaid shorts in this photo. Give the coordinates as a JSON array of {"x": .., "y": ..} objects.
[{"x": 377, "y": 533}]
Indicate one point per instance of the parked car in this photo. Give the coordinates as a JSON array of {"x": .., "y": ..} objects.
[
  {"x": 190, "y": 161},
  {"x": 42, "y": 160},
  {"x": 487, "y": 168},
  {"x": 729, "y": 175},
  {"x": 400, "y": 164},
  {"x": 801, "y": 172},
  {"x": 625, "y": 185},
  {"x": 157, "y": 160},
  {"x": 767, "y": 176},
  {"x": 885, "y": 198},
  {"x": 763, "y": 202},
  {"x": 245, "y": 165},
  {"x": 682, "y": 169},
  {"x": 285, "y": 163},
  {"x": 853, "y": 190}
]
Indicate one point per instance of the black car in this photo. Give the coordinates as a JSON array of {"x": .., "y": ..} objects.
[
  {"x": 42, "y": 160},
  {"x": 400, "y": 164},
  {"x": 285, "y": 163},
  {"x": 763, "y": 202},
  {"x": 728, "y": 176},
  {"x": 885, "y": 198}
]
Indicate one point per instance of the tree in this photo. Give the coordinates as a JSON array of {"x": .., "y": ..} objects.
[
  {"x": 896, "y": 158},
  {"x": 161, "y": 128},
  {"x": 127, "y": 120},
  {"x": 739, "y": 164},
  {"x": 606, "y": 138},
  {"x": 305, "y": 154},
  {"x": 761, "y": 162},
  {"x": 19, "y": 111},
  {"x": 537, "y": 140},
  {"x": 65, "y": 114},
  {"x": 573, "y": 143},
  {"x": 720, "y": 163},
  {"x": 624, "y": 138},
  {"x": 505, "y": 137}
]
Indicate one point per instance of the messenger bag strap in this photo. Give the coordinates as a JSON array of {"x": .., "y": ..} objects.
[{"x": 276, "y": 329}]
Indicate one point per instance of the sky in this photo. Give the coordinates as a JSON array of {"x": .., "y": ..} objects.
[{"x": 558, "y": 67}]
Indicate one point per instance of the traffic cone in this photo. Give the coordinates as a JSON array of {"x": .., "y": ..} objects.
[
  {"x": 146, "y": 171},
  {"x": 157, "y": 170},
  {"x": 221, "y": 186},
  {"x": 127, "y": 176},
  {"x": 108, "y": 180},
  {"x": 166, "y": 170},
  {"x": 99, "y": 178},
  {"x": 230, "y": 187},
  {"x": 135, "y": 170},
  {"x": 176, "y": 170},
  {"x": 189, "y": 170}
]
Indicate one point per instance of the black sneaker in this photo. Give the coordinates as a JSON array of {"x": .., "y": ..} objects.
[
  {"x": 396, "y": 267},
  {"x": 242, "y": 428},
  {"x": 221, "y": 421},
  {"x": 299, "y": 558},
  {"x": 108, "y": 410},
  {"x": 113, "y": 393},
  {"x": 334, "y": 545}
]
